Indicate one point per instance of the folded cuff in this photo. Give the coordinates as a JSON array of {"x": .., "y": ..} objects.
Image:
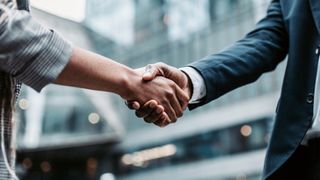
[{"x": 46, "y": 66}]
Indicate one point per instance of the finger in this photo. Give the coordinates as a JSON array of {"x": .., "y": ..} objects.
[
  {"x": 164, "y": 69},
  {"x": 147, "y": 109},
  {"x": 150, "y": 72},
  {"x": 163, "y": 121},
  {"x": 183, "y": 98},
  {"x": 170, "y": 111},
  {"x": 150, "y": 119},
  {"x": 160, "y": 109},
  {"x": 134, "y": 105},
  {"x": 175, "y": 104},
  {"x": 140, "y": 114},
  {"x": 155, "y": 115},
  {"x": 158, "y": 123},
  {"x": 158, "y": 69}
]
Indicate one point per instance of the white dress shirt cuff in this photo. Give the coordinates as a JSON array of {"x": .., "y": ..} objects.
[{"x": 199, "y": 86}]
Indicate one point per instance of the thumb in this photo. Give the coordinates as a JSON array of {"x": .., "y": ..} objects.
[{"x": 150, "y": 73}]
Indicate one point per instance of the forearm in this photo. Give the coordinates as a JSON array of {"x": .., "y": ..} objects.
[
  {"x": 92, "y": 71},
  {"x": 38, "y": 56}
]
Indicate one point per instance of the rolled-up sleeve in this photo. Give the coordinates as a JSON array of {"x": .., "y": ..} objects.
[{"x": 29, "y": 52}]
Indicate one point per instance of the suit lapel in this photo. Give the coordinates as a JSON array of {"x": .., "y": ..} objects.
[{"x": 315, "y": 9}]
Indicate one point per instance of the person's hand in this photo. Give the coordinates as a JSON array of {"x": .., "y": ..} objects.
[
  {"x": 156, "y": 114},
  {"x": 169, "y": 72},
  {"x": 149, "y": 111},
  {"x": 170, "y": 97},
  {"x": 153, "y": 106}
]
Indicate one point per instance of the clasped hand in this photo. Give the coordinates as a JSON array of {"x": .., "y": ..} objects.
[{"x": 166, "y": 93}]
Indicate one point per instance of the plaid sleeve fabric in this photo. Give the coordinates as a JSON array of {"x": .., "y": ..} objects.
[{"x": 29, "y": 52}]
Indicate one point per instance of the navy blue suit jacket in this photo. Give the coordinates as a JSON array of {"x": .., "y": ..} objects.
[{"x": 290, "y": 27}]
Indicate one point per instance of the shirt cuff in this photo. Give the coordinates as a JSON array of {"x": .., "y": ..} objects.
[{"x": 199, "y": 86}]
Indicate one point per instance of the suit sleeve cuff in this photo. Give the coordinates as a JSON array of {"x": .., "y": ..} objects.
[{"x": 199, "y": 87}]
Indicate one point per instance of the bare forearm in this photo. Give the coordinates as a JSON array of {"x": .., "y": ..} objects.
[{"x": 92, "y": 71}]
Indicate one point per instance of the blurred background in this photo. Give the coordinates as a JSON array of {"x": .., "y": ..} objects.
[{"x": 69, "y": 133}]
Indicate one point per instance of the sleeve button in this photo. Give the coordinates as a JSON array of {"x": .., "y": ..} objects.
[{"x": 309, "y": 98}]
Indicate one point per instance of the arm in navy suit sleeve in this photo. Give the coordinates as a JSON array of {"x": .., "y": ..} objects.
[{"x": 245, "y": 61}]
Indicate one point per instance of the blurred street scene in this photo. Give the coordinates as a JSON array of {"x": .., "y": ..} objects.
[{"x": 67, "y": 133}]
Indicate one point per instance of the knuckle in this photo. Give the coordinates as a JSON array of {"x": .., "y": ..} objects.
[
  {"x": 179, "y": 114},
  {"x": 152, "y": 119},
  {"x": 169, "y": 93},
  {"x": 172, "y": 84},
  {"x": 174, "y": 120},
  {"x": 154, "y": 116},
  {"x": 157, "y": 123},
  {"x": 147, "y": 111},
  {"x": 139, "y": 114},
  {"x": 159, "y": 64}
]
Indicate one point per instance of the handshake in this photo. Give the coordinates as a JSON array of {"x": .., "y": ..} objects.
[
  {"x": 159, "y": 93},
  {"x": 162, "y": 94}
]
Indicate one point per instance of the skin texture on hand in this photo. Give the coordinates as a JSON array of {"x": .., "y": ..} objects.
[
  {"x": 169, "y": 72},
  {"x": 162, "y": 90},
  {"x": 159, "y": 117},
  {"x": 148, "y": 110}
]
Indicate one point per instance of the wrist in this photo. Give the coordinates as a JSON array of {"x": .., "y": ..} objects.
[
  {"x": 189, "y": 85},
  {"x": 128, "y": 84}
]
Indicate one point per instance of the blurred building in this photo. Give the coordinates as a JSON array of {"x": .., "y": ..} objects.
[{"x": 67, "y": 133}]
